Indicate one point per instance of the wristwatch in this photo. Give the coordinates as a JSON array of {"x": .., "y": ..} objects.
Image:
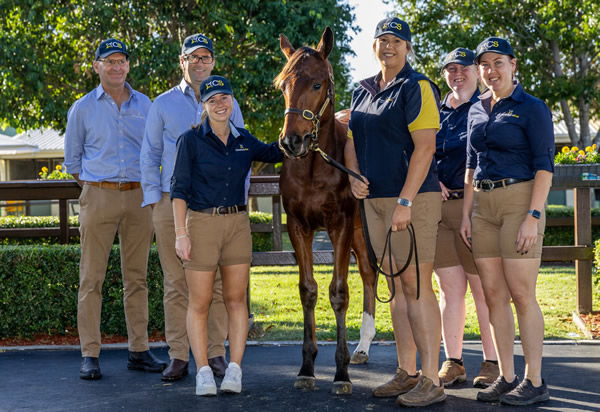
[
  {"x": 535, "y": 213},
  {"x": 404, "y": 202}
]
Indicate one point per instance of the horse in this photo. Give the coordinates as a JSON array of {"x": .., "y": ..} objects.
[{"x": 316, "y": 195}]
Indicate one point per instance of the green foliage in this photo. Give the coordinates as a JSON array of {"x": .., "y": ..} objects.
[
  {"x": 565, "y": 235},
  {"x": 48, "y": 50},
  {"x": 556, "y": 42},
  {"x": 57, "y": 174},
  {"x": 573, "y": 155},
  {"x": 261, "y": 242},
  {"x": 39, "y": 286}
]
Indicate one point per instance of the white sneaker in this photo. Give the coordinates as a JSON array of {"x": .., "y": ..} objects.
[
  {"x": 232, "y": 382},
  {"x": 205, "y": 382}
]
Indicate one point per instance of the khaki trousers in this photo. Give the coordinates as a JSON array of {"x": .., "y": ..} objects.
[
  {"x": 103, "y": 214},
  {"x": 176, "y": 293}
]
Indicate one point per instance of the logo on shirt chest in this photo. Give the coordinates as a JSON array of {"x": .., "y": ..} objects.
[
  {"x": 241, "y": 148},
  {"x": 510, "y": 113}
]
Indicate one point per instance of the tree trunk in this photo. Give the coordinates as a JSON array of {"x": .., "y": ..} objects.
[
  {"x": 564, "y": 104},
  {"x": 583, "y": 106}
]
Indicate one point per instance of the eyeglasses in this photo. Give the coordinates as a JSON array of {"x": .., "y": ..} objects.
[
  {"x": 193, "y": 59},
  {"x": 113, "y": 62}
]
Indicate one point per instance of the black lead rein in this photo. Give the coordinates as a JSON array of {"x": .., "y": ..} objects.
[{"x": 378, "y": 266}]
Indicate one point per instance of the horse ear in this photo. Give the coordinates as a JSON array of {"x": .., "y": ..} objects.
[
  {"x": 286, "y": 46},
  {"x": 326, "y": 44}
]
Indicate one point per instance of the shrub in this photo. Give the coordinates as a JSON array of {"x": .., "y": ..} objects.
[
  {"x": 261, "y": 242},
  {"x": 39, "y": 286},
  {"x": 565, "y": 235}
]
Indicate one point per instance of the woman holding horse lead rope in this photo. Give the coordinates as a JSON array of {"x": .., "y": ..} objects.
[
  {"x": 453, "y": 264},
  {"x": 212, "y": 226},
  {"x": 510, "y": 160},
  {"x": 393, "y": 122}
]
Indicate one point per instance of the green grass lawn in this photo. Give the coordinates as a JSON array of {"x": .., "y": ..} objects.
[{"x": 275, "y": 302}]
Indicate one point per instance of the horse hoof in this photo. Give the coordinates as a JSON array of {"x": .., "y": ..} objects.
[
  {"x": 342, "y": 388},
  {"x": 306, "y": 383},
  {"x": 359, "y": 358}
]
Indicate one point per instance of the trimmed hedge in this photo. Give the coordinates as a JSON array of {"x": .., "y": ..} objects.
[
  {"x": 261, "y": 242},
  {"x": 556, "y": 236},
  {"x": 39, "y": 285}
]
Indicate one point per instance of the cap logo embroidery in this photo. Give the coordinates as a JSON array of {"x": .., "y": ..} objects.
[
  {"x": 113, "y": 44},
  {"x": 393, "y": 25},
  {"x": 491, "y": 43},
  {"x": 199, "y": 39},
  {"x": 214, "y": 83}
]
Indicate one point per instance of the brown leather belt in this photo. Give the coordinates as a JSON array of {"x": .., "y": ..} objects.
[
  {"x": 488, "y": 185},
  {"x": 223, "y": 210},
  {"x": 121, "y": 186}
]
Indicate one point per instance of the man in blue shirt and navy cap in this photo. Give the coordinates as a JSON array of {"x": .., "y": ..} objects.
[
  {"x": 102, "y": 151},
  {"x": 172, "y": 114}
]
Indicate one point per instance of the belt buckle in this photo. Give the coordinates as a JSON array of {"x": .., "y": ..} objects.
[
  {"x": 487, "y": 185},
  {"x": 121, "y": 185},
  {"x": 220, "y": 210}
]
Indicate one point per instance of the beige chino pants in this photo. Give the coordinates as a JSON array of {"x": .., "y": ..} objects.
[{"x": 103, "y": 214}]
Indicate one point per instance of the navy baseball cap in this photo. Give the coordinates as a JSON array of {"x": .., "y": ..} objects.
[
  {"x": 494, "y": 45},
  {"x": 194, "y": 42},
  {"x": 110, "y": 46},
  {"x": 460, "y": 55},
  {"x": 395, "y": 26},
  {"x": 214, "y": 85}
]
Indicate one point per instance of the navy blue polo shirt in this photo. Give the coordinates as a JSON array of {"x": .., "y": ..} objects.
[
  {"x": 380, "y": 124},
  {"x": 451, "y": 142},
  {"x": 208, "y": 173},
  {"x": 514, "y": 139}
]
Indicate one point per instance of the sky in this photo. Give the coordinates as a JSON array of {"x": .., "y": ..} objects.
[{"x": 368, "y": 14}]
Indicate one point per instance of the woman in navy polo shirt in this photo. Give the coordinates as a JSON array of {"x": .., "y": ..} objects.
[
  {"x": 393, "y": 122},
  {"x": 454, "y": 265},
  {"x": 212, "y": 227},
  {"x": 510, "y": 161}
]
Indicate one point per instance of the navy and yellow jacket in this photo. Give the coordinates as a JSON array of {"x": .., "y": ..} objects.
[{"x": 380, "y": 124}]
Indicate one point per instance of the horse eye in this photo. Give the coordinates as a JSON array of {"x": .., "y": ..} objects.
[{"x": 316, "y": 86}]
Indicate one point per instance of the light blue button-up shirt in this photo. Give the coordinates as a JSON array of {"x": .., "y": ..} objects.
[
  {"x": 102, "y": 143},
  {"x": 172, "y": 114}
]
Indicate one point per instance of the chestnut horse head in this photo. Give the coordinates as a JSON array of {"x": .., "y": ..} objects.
[{"x": 307, "y": 85}]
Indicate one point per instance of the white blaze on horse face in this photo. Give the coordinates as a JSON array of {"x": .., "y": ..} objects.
[{"x": 367, "y": 333}]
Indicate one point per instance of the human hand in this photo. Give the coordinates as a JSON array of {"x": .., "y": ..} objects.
[
  {"x": 183, "y": 247},
  {"x": 465, "y": 231},
  {"x": 527, "y": 235},
  {"x": 360, "y": 190},
  {"x": 400, "y": 218},
  {"x": 445, "y": 192}
]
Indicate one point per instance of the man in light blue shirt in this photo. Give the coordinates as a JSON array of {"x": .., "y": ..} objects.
[
  {"x": 173, "y": 113},
  {"x": 102, "y": 146}
]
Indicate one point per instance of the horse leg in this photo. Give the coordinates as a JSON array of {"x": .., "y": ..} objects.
[
  {"x": 367, "y": 327},
  {"x": 338, "y": 296},
  {"x": 302, "y": 242}
]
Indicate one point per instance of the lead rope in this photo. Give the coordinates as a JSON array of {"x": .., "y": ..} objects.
[{"x": 378, "y": 266}]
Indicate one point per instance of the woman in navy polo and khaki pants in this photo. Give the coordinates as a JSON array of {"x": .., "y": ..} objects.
[
  {"x": 510, "y": 161},
  {"x": 212, "y": 227}
]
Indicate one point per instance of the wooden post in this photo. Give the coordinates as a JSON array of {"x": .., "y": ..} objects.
[
  {"x": 63, "y": 219},
  {"x": 583, "y": 237},
  {"x": 277, "y": 239}
]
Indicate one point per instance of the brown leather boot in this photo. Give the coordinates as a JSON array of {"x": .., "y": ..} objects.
[
  {"x": 399, "y": 384},
  {"x": 423, "y": 394}
]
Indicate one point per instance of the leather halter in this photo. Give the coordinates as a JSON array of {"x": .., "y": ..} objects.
[{"x": 315, "y": 118}]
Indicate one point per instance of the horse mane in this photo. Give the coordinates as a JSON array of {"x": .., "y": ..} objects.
[{"x": 300, "y": 54}]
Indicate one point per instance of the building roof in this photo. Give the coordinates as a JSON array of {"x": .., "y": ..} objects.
[
  {"x": 561, "y": 134},
  {"x": 38, "y": 143}
]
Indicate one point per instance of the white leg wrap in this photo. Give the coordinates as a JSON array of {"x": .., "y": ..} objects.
[{"x": 367, "y": 333}]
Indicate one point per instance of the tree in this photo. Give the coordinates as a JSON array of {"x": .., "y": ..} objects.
[
  {"x": 48, "y": 49},
  {"x": 556, "y": 42}
]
